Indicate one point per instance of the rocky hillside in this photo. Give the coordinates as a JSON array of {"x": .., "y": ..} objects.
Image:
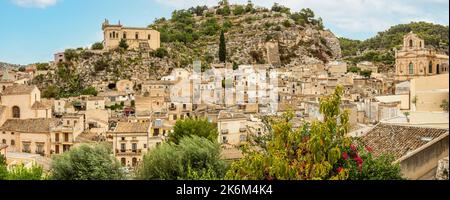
[
  {"x": 253, "y": 35},
  {"x": 8, "y": 65}
]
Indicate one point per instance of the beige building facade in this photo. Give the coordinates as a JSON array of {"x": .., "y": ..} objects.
[
  {"x": 428, "y": 93},
  {"x": 136, "y": 38},
  {"x": 415, "y": 60},
  {"x": 130, "y": 141}
]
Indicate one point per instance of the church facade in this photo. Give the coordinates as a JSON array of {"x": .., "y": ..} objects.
[
  {"x": 136, "y": 38},
  {"x": 416, "y": 60}
]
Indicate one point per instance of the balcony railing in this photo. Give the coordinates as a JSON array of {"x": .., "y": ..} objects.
[
  {"x": 224, "y": 131},
  {"x": 243, "y": 129},
  {"x": 172, "y": 108},
  {"x": 26, "y": 150},
  {"x": 42, "y": 153},
  {"x": 128, "y": 152}
]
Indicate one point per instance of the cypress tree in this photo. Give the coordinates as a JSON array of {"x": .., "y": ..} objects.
[{"x": 222, "y": 48}]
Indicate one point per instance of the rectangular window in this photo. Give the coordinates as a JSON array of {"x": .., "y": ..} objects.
[
  {"x": 134, "y": 147},
  {"x": 40, "y": 148},
  {"x": 137, "y": 35},
  {"x": 149, "y": 36},
  {"x": 122, "y": 147},
  {"x": 56, "y": 149},
  {"x": 26, "y": 147},
  {"x": 56, "y": 137},
  {"x": 66, "y": 148},
  {"x": 66, "y": 137},
  {"x": 156, "y": 132}
]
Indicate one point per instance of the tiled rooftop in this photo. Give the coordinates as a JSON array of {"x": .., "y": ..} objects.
[
  {"x": 41, "y": 125},
  {"x": 38, "y": 105},
  {"x": 132, "y": 127},
  {"x": 18, "y": 89},
  {"x": 399, "y": 140}
]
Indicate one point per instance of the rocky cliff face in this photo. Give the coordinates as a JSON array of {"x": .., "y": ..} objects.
[{"x": 247, "y": 40}]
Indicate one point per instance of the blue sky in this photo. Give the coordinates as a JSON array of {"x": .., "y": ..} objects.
[{"x": 32, "y": 30}]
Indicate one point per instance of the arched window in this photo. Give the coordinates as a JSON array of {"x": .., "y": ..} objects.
[
  {"x": 137, "y": 35},
  {"x": 123, "y": 161},
  {"x": 4, "y": 87},
  {"x": 16, "y": 112},
  {"x": 114, "y": 34},
  {"x": 438, "y": 70},
  {"x": 4, "y": 141},
  {"x": 411, "y": 68},
  {"x": 124, "y": 35},
  {"x": 410, "y": 43},
  {"x": 420, "y": 44},
  {"x": 430, "y": 67},
  {"x": 149, "y": 36}
]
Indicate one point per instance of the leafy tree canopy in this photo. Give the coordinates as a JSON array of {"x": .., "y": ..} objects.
[
  {"x": 189, "y": 126},
  {"x": 87, "y": 162},
  {"x": 194, "y": 158}
]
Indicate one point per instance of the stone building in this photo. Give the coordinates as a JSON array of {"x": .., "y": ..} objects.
[
  {"x": 130, "y": 141},
  {"x": 136, "y": 38},
  {"x": 232, "y": 128},
  {"x": 415, "y": 59},
  {"x": 417, "y": 149},
  {"x": 24, "y": 102},
  {"x": 44, "y": 136}
]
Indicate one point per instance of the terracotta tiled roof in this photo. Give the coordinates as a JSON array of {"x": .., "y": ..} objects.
[
  {"x": 132, "y": 127},
  {"x": 18, "y": 89},
  {"x": 96, "y": 98},
  {"x": 230, "y": 115},
  {"x": 68, "y": 105},
  {"x": 399, "y": 140},
  {"x": 41, "y": 125},
  {"x": 38, "y": 105}
]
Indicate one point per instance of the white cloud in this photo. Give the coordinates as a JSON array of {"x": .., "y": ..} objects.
[
  {"x": 352, "y": 16},
  {"x": 35, "y": 3}
]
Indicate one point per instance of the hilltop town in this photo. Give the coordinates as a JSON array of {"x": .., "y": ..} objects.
[{"x": 131, "y": 89}]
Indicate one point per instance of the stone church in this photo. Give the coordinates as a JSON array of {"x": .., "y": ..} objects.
[
  {"x": 416, "y": 60},
  {"x": 136, "y": 38}
]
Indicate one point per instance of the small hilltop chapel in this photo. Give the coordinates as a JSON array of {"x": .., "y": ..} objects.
[
  {"x": 136, "y": 38},
  {"x": 416, "y": 60}
]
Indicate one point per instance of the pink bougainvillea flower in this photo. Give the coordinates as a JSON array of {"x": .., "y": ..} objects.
[
  {"x": 369, "y": 149},
  {"x": 345, "y": 155},
  {"x": 358, "y": 160},
  {"x": 353, "y": 148},
  {"x": 339, "y": 169}
]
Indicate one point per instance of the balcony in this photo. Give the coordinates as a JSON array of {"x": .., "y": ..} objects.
[
  {"x": 224, "y": 131},
  {"x": 172, "y": 107},
  {"x": 42, "y": 153},
  {"x": 26, "y": 150},
  {"x": 243, "y": 129},
  {"x": 128, "y": 152}
]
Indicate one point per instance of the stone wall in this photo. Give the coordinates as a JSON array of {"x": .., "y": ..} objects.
[{"x": 424, "y": 159}]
